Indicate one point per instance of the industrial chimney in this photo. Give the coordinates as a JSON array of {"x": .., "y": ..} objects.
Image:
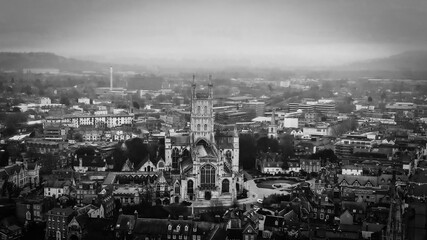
[{"x": 111, "y": 78}]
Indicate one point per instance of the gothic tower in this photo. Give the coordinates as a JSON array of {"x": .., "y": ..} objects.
[
  {"x": 272, "y": 129},
  {"x": 202, "y": 118}
]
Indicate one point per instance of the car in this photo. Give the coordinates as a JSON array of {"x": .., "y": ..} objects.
[{"x": 259, "y": 200}]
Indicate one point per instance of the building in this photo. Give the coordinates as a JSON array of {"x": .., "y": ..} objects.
[
  {"x": 57, "y": 223},
  {"x": 84, "y": 100},
  {"x": 107, "y": 120},
  {"x": 346, "y": 146},
  {"x": 132, "y": 227},
  {"x": 310, "y": 165},
  {"x": 258, "y": 107},
  {"x": 20, "y": 174},
  {"x": 289, "y": 122},
  {"x": 318, "y": 130},
  {"x": 57, "y": 188},
  {"x": 13, "y": 232},
  {"x": 55, "y": 132},
  {"x": 86, "y": 190},
  {"x": 208, "y": 170},
  {"x": 33, "y": 209}
]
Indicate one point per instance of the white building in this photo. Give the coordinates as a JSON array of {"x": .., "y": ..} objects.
[
  {"x": 290, "y": 122},
  {"x": 108, "y": 120},
  {"x": 319, "y": 130},
  {"x": 352, "y": 170},
  {"x": 84, "y": 100},
  {"x": 57, "y": 188},
  {"x": 45, "y": 101}
]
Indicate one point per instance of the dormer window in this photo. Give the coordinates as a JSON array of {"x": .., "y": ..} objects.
[
  {"x": 178, "y": 228},
  {"x": 170, "y": 227},
  {"x": 276, "y": 223},
  {"x": 186, "y": 228}
]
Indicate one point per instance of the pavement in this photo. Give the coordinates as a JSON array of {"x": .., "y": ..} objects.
[{"x": 254, "y": 192}]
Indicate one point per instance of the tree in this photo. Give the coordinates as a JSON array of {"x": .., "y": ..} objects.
[
  {"x": 266, "y": 144},
  {"x": 64, "y": 100},
  {"x": 286, "y": 145},
  {"x": 247, "y": 148},
  {"x": 78, "y": 137},
  {"x": 135, "y": 105},
  {"x": 325, "y": 155}
]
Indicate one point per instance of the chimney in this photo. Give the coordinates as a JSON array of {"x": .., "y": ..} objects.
[{"x": 111, "y": 78}]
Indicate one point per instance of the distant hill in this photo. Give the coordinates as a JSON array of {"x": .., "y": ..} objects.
[
  {"x": 18, "y": 61},
  {"x": 411, "y": 65},
  {"x": 414, "y": 61}
]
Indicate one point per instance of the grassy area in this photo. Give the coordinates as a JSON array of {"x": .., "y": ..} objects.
[{"x": 269, "y": 183}]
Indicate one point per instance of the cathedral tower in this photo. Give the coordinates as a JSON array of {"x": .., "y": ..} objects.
[{"x": 202, "y": 118}]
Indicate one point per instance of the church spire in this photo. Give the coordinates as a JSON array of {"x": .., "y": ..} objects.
[{"x": 273, "y": 117}]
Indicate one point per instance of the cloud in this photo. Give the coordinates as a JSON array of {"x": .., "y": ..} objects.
[{"x": 340, "y": 30}]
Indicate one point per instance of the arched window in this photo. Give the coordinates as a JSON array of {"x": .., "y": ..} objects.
[
  {"x": 198, "y": 109},
  {"x": 225, "y": 186},
  {"x": 177, "y": 189},
  {"x": 206, "y": 110},
  {"x": 161, "y": 165},
  {"x": 206, "y": 127},
  {"x": 190, "y": 185},
  {"x": 228, "y": 155},
  {"x": 175, "y": 158},
  {"x": 207, "y": 175},
  {"x": 198, "y": 127}
]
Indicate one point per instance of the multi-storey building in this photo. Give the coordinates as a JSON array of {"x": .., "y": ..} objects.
[
  {"x": 86, "y": 189},
  {"x": 107, "y": 120},
  {"x": 258, "y": 107},
  {"x": 350, "y": 144},
  {"x": 57, "y": 223},
  {"x": 310, "y": 165}
]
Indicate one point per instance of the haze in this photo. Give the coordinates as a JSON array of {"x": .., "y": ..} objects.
[{"x": 283, "y": 32}]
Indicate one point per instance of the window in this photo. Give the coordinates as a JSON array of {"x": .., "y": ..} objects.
[
  {"x": 170, "y": 227},
  {"x": 175, "y": 158},
  {"x": 206, "y": 110},
  {"x": 190, "y": 185},
  {"x": 177, "y": 191},
  {"x": 228, "y": 155},
  {"x": 198, "y": 127},
  {"x": 206, "y": 127},
  {"x": 225, "y": 186},
  {"x": 322, "y": 216},
  {"x": 198, "y": 109},
  {"x": 207, "y": 174}
]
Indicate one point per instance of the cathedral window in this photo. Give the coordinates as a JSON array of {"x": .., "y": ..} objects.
[
  {"x": 175, "y": 158},
  {"x": 198, "y": 109},
  {"x": 225, "y": 186},
  {"x": 206, "y": 127},
  {"x": 206, "y": 110},
  {"x": 190, "y": 185},
  {"x": 207, "y": 175},
  {"x": 177, "y": 190},
  {"x": 228, "y": 155},
  {"x": 198, "y": 127}
]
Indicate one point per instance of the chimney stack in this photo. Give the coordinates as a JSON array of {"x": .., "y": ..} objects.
[{"x": 111, "y": 78}]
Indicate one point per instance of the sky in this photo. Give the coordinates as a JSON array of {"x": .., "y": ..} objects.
[{"x": 280, "y": 32}]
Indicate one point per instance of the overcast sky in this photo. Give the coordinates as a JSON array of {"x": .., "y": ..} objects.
[{"x": 293, "y": 31}]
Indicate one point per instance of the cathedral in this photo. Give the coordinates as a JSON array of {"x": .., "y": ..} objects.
[{"x": 205, "y": 163}]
